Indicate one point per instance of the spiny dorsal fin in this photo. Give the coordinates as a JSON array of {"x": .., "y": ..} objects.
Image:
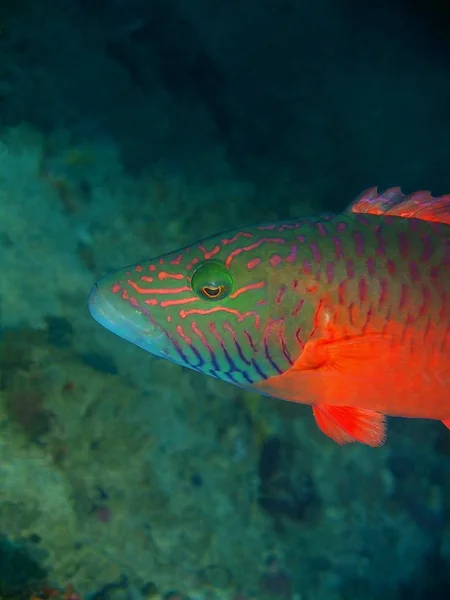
[{"x": 419, "y": 205}]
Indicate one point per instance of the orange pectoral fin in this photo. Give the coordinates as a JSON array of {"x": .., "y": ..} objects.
[
  {"x": 343, "y": 355},
  {"x": 334, "y": 372},
  {"x": 345, "y": 424},
  {"x": 447, "y": 423}
]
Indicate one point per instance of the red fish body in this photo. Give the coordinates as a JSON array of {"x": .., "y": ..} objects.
[{"x": 348, "y": 313}]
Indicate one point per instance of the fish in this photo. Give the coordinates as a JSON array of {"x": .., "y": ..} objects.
[{"x": 347, "y": 312}]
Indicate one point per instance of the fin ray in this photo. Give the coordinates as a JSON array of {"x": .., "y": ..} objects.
[
  {"x": 346, "y": 424},
  {"x": 392, "y": 202}
]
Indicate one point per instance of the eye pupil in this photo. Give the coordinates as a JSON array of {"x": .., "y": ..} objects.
[{"x": 212, "y": 292}]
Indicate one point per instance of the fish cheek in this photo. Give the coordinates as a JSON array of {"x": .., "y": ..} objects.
[
  {"x": 272, "y": 337},
  {"x": 297, "y": 309},
  {"x": 236, "y": 329}
]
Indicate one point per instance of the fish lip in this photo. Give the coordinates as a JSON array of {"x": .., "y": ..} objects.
[
  {"x": 99, "y": 307},
  {"x": 107, "y": 315}
]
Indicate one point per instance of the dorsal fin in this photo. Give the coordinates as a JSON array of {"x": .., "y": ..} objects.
[{"x": 419, "y": 205}]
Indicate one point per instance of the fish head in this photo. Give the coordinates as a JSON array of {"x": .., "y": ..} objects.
[{"x": 204, "y": 307}]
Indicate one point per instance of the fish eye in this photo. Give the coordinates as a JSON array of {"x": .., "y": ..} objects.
[{"x": 212, "y": 281}]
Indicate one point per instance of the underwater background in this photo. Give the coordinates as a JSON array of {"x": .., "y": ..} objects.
[{"x": 132, "y": 128}]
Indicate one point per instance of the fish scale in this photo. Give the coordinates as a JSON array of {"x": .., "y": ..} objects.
[{"x": 347, "y": 313}]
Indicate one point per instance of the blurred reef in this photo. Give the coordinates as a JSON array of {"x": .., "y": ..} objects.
[{"x": 127, "y": 129}]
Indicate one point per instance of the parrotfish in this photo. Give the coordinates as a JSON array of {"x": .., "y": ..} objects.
[{"x": 348, "y": 313}]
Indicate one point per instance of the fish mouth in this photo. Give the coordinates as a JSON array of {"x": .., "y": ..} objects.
[
  {"x": 132, "y": 325},
  {"x": 102, "y": 310}
]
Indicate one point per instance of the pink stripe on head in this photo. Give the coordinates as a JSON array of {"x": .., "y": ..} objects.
[
  {"x": 280, "y": 294},
  {"x": 298, "y": 307},
  {"x": 254, "y": 262},
  {"x": 292, "y": 254},
  {"x": 192, "y": 263},
  {"x": 275, "y": 260}
]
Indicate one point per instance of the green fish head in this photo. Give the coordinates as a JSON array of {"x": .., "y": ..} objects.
[{"x": 205, "y": 307}]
